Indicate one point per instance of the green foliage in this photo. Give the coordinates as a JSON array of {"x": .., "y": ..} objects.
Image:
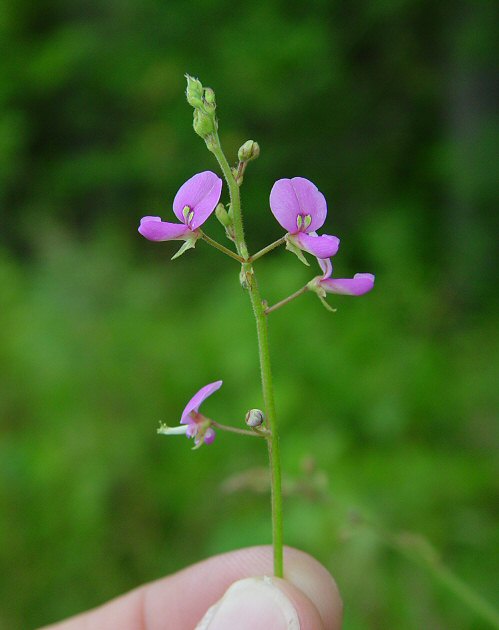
[{"x": 386, "y": 106}]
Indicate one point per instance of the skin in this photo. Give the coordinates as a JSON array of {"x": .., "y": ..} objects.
[{"x": 179, "y": 601}]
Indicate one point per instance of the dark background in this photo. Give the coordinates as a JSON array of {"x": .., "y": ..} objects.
[{"x": 387, "y": 408}]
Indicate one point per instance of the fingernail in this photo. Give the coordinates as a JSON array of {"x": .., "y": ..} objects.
[{"x": 249, "y": 604}]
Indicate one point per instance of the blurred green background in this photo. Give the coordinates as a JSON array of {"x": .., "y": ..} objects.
[{"x": 387, "y": 408}]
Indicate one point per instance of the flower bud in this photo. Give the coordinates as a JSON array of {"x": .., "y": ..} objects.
[
  {"x": 255, "y": 418},
  {"x": 194, "y": 91},
  {"x": 203, "y": 124},
  {"x": 222, "y": 215},
  {"x": 209, "y": 103},
  {"x": 250, "y": 150},
  {"x": 209, "y": 96}
]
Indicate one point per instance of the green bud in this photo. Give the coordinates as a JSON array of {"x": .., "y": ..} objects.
[
  {"x": 209, "y": 100},
  {"x": 222, "y": 215},
  {"x": 250, "y": 150},
  {"x": 209, "y": 96},
  {"x": 203, "y": 124},
  {"x": 194, "y": 91}
]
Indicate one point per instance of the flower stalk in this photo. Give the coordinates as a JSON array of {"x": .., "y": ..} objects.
[
  {"x": 301, "y": 209},
  {"x": 286, "y": 300},
  {"x": 263, "y": 351},
  {"x": 255, "y": 432},
  {"x": 268, "y": 249},
  {"x": 220, "y": 247}
]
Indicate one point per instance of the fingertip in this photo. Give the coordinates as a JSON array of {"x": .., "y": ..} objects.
[{"x": 264, "y": 603}]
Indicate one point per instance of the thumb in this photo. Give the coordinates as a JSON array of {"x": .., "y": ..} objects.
[{"x": 264, "y": 603}]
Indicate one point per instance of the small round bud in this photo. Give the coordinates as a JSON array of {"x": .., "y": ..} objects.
[
  {"x": 255, "y": 418},
  {"x": 250, "y": 150}
]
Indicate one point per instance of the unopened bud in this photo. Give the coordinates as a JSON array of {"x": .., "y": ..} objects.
[
  {"x": 250, "y": 150},
  {"x": 209, "y": 100},
  {"x": 222, "y": 215},
  {"x": 194, "y": 91},
  {"x": 255, "y": 418},
  {"x": 209, "y": 95},
  {"x": 203, "y": 124}
]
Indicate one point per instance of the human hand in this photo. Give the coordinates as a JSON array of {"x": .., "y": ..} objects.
[{"x": 221, "y": 593}]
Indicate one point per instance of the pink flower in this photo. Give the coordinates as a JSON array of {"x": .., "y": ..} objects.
[
  {"x": 192, "y": 423},
  {"x": 358, "y": 285},
  {"x": 301, "y": 209},
  {"x": 193, "y": 204}
]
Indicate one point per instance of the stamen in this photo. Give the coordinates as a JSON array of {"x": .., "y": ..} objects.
[{"x": 303, "y": 221}]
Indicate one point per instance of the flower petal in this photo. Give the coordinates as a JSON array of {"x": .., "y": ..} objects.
[
  {"x": 201, "y": 193},
  {"x": 358, "y": 285},
  {"x": 326, "y": 266},
  {"x": 195, "y": 402},
  {"x": 154, "y": 229},
  {"x": 191, "y": 430},
  {"x": 290, "y": 198},
  {"x": 209, "y": 436},
  {"x": 166, "y": 430},
  {"x": 323, "y": 246}
]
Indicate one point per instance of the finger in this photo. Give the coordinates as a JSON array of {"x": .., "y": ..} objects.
[
  {"x": 178, "y": 602},
  {"x": 263, "y": 603}
]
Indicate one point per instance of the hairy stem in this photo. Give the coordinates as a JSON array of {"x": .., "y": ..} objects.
[
  {"x": 268, "y": 249},
  {"x": 235, "y": 199},
  {"x": 291, "y": 297},
  {"x": 220, "y": 247},
  {"x": 264, "y": 354}
]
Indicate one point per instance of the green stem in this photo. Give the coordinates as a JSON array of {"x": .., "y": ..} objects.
[
  {"x": 235, "y": 199},
  {"x": 220, "y": 247},
  {"x": 224, "y": 427},
  {"x": 291, "y": 297},
  {"x": 264, "y": 354},
  {"x": 268, "y": 249}
]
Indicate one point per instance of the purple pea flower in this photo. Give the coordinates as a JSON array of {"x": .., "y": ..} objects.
[
  {"x": 192, "y": 423},
  {"x": 358, "y": 285},
  {"x": 301, "y": 209},
  {"x": 193, "y": 204}
]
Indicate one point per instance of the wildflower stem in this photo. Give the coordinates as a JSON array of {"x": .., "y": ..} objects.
[
  {"x": 235, "y": 199},
  {"x": 224, "y": 427},
  {"x": 291, "y": 297},
  {"x": 220, "y": 247},
  {"x": 263, "y": 351},
  {"x": 267, "y": 249}
]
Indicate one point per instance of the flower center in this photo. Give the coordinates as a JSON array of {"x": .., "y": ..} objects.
[
  {"x": 303, "y": 222},
  {"x": 188, "y": 215}
]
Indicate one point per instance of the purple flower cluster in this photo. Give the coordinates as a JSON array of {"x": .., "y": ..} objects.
[{"x": 300, "y": 208}]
